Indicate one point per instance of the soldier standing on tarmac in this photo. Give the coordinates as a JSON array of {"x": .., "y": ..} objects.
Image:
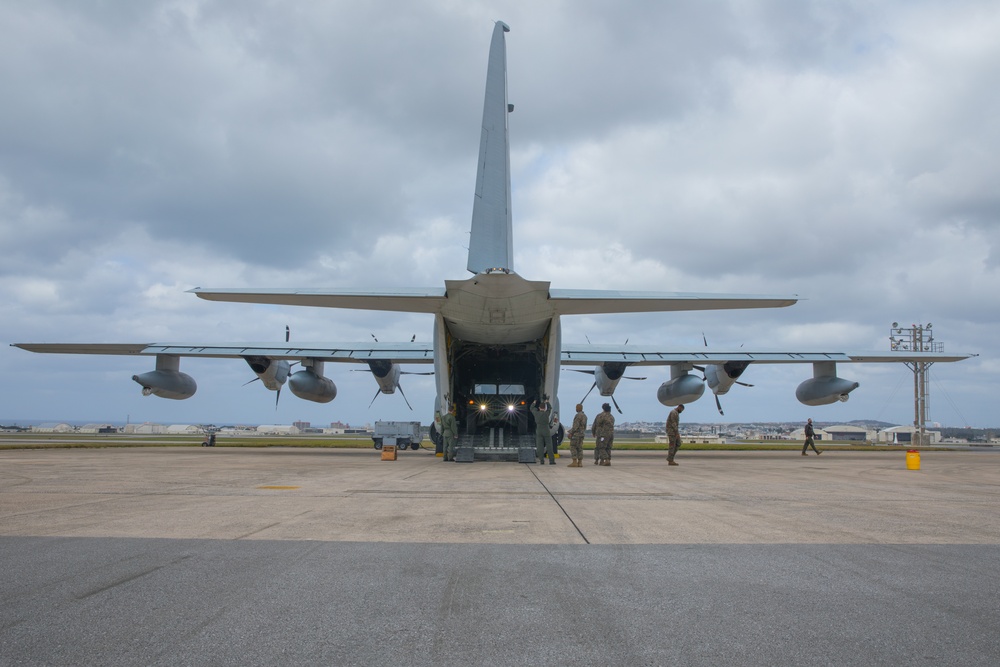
[
  {"x": 604, "y": 435},
  {"x": 576, "y": 433},
  {"x": 674, "y": 433},
  {"x": 542, "y": 412},
  {"x": 449, "y": 430}
]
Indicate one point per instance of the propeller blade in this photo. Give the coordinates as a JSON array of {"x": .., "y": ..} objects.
[
  {"x": 616, "y": 404},
  {"x": 248, "y": 382},
  {"x": 277, "y": 398},
  {"x": 377, "y": 392},
  {"x": 400, "y": 388},
  {"x": 288, "y": 333},
  {"x": 588, "y": 393},
  {"x": 577, "y": 370},
  {"x": 376, "y": 339},
  {"x": 414, "y": 338},
  {"x": 415, "y": 373},
  {"x": 718, "y": 404},
  {"x": 630, "y": 377},
  {"x": 743, "y": 384}
]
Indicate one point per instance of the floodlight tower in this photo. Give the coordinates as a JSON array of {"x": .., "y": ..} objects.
[{"x": 917, "y": 338}]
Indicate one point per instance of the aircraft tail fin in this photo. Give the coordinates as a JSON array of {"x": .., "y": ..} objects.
[{"x": 491, "y": 243}]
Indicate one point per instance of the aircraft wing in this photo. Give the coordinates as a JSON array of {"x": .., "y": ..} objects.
[
  {"x": 590, "y": 302},
  {"x": 400, "y": 353},
  {"x": 414, "y": 300},
  {"x": 633, "y": 355}
]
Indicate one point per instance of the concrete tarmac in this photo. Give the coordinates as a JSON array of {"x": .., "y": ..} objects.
[{"x": 176, "y": 556}]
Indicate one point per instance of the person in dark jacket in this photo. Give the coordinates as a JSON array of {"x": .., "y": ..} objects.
[
  {"x": 542, "y": 412},
  {"x": 810, "y": 433}
]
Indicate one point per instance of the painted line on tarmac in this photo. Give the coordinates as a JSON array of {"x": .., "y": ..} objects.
[{"x": 556, "y": 501}]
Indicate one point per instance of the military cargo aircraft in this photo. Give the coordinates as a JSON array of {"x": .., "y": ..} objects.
[{"x": 497, "y": 342}]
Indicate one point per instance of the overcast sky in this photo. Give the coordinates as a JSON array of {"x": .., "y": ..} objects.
[{"x": 847, "y": 152}]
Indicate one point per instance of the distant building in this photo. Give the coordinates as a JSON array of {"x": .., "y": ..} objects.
[
  {"x": 849, "y": 433},
  {"x": 903, "y": 435},
  {"x": 695, "y": 438},
  {"x": 60, "y": 427},
  {"x": 184, "y": 429},
  {"x": 800, "y": 434},
  {"x": 278, "y": 429},
  {"x": 145, "y": 428},
  {"x": 98, "y": 428}
]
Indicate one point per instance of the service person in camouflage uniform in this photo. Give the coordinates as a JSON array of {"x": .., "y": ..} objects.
[
  {"x": 449, "y": 429},
  {"x": 576, "y": 433},
  {"x": 542, "y": 412},
  {"x": 604, "y": 435},
  {"x": 674, "y": 433}
]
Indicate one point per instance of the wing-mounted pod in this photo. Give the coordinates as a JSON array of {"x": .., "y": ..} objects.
[
  {"x": 824, "y": 387},
  {"x": 272, "y": 372},
  {"x": 167, "y": 381},
  {"x": 310, "y": 384},
  {"x": 682, "y": 387}
]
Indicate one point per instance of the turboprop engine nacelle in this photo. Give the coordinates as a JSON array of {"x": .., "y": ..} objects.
[
  {"x": 311, "y": 385},
  {"x": 721, "y": 377},
  {"x": 607, "y": 377},
  {"x": 167, "y": 381},
  {"x": 272, "y": 372},
  {"x": 824, "y": 387},
  {"x": 386, "y": 374},
  {"x": 682, "y": 387}
]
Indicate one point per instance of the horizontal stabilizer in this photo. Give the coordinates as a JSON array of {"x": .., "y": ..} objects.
[
  {"x": 418, "y": 300},
  {"x": 593, "y": 302}
]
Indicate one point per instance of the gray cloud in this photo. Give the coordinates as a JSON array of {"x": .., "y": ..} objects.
[{"x": 838, "y": 151}]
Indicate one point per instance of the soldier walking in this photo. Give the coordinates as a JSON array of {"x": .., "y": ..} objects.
[
  {"x": 810, "y": 434},
  {"x": 576, "y": 433},
  {"x": 604, "y": 435},
  {"x": 674, "y": 433}
]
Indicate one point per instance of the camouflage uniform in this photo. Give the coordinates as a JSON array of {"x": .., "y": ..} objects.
[
  {"x": 604, "y": 435},
  {"x": 543, "y": 433},
  {"x": 576, "y": 433},
  {"x": 449, "y": 430},
  {"x": 673, "y": 433}
]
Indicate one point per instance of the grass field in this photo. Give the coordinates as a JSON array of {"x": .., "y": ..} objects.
[{"x": 89, "y": 440}]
